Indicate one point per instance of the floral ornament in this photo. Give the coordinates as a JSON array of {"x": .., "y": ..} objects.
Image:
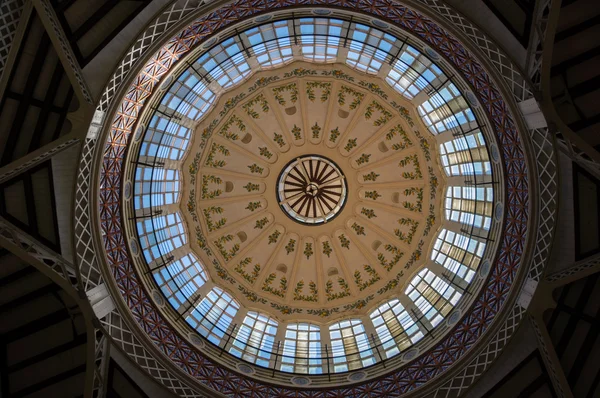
[
  {"x": 259, "y": 99},
  {"x": 344, "y": 242},
  {"x": 210, "y": 159},
  {"x": 194, "y": 168},
  {"x": 362, "y": 285},
  {"x": 364, "y": 158},
  {"x": 324, "y": 86},
  {"x": 208, "y": 131},
  {"x": 300, "y": 72},
  {"x": 316, "y": 130},
  {"x": 308, "y": 250},
  {"x": 415, "y": 256},
  {"x": 253, "y": 206},
  {"x": 372, "y": 195},
  {"x": 231, "y": 103},
  {"x": 191, "y": 204},
  {"x": 250, "y": 187},
  {"x": 403, "y": 112},
  {"x": 433, "y": 183},
  {"x": 274, "y": 237},
  {"x": 263, "y": 151},
  {"x": 359, "y": 304},
  {"x": 255, "y": 169},
  {"x": 374, "y": 88},
  {"x": 286, "y": 309},
  {"x": 323, "y": 312},
  {"x": 414, "y": 159},
  {"x": 296, "y": 132},
  {"x": 327, "y": 250},
  {"x": 418, "y": 206},
  {"x": 372, "y": 176},
  {"x": 293, "y": 90},
  {"x": 290, "y": 247},
  {"x": 351, "y": 144},
  {"x": 312, "y": 287},
  {"x": 225, "y": 132},
  {"x": 201, "y": 241},
  {"x": 344, "y": 289},
  {"x": 412, "y": 229},
  {"x": 278, "y": 138},
  {"x": 282, "y": 285},
  {"x": 385, "y": 114},
  {"x": 405, "y": 142},
  {"x": 260, "y": 224},
  {"x": 210, "y": 224},
  {"x": 222, "y": 273},
  {"x": 338, "y": 74},
  {"x": 241, "y": 269},
  {"x": 262, "y": 82},
  {"x": 369, "y": 213},
  {"x": 397, "y": 256},
  {"x": 392, "y": 283},
  {"x": 425, "y": 147},
  {"x": 358, "y": 97},
  {"x": 334, "y": 134},
  {"x": 220, "y": 244},
  {"x": 251, "y": 296},
  {"x": 358, "y": 229},
  {"x": 430, "y": 221},
  {"x": 210, "y": 179}
]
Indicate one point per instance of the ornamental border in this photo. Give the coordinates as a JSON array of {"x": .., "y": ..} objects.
[{"x": 86, "y": 253}]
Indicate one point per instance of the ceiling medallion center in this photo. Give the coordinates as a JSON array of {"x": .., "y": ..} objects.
[{"x": 311, "y": 190}]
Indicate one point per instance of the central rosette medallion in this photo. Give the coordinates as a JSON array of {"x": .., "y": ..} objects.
[{"x": 311, "y": 190}]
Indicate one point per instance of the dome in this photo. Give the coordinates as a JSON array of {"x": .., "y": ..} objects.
[{"x": 314, "y": 198}]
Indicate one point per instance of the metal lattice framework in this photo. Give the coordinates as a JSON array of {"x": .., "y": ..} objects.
[
  {"x": 503, "y": 274},
  {"x": 10, "y": 14}
]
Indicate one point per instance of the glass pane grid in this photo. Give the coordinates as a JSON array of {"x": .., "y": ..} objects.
[
  {"x": 165, "y": 139},
  {"x": 155, "y": 187},
  {"x": 160, "y": 235},
  {"x": 350, "y": 346},
  {"x": 466, "y": 155},
  {"x": 433, "y": 297},
  {"x": 180, "y": 280},
  {"x": 446, "y": 109},
  {"x": 213, "y": 316}
]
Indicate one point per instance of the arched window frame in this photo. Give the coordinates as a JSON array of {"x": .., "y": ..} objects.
[
  {"x": 255, "y": 339},
  {"x": 369, "y": 48},
  {"x": 271, "y": 44},
  {"x": 320, "y": 38},
  {"x": 446, "y": 109},
  {"x": 396, "y": 328},
  {"x": 350, "y": 346},
  {"x": 471, "y": 206},
  {"x": 165, "y": 139},
  {"x": 467, "y": 155},
  {"x": 155, "y": 186},
  {"x": 302, "y": 349},
  {"x": 189, "y": 96},
  {"x": 432, "y": 295},
  {"x": 213, "y": 315},
  {"x": 181, "y": 279},
  {"x": 458, "y": 253},
  {"x": 412, "y": 73},
  {"x": 225, "y": 63},
  {"x": 160, "y": 235}
]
